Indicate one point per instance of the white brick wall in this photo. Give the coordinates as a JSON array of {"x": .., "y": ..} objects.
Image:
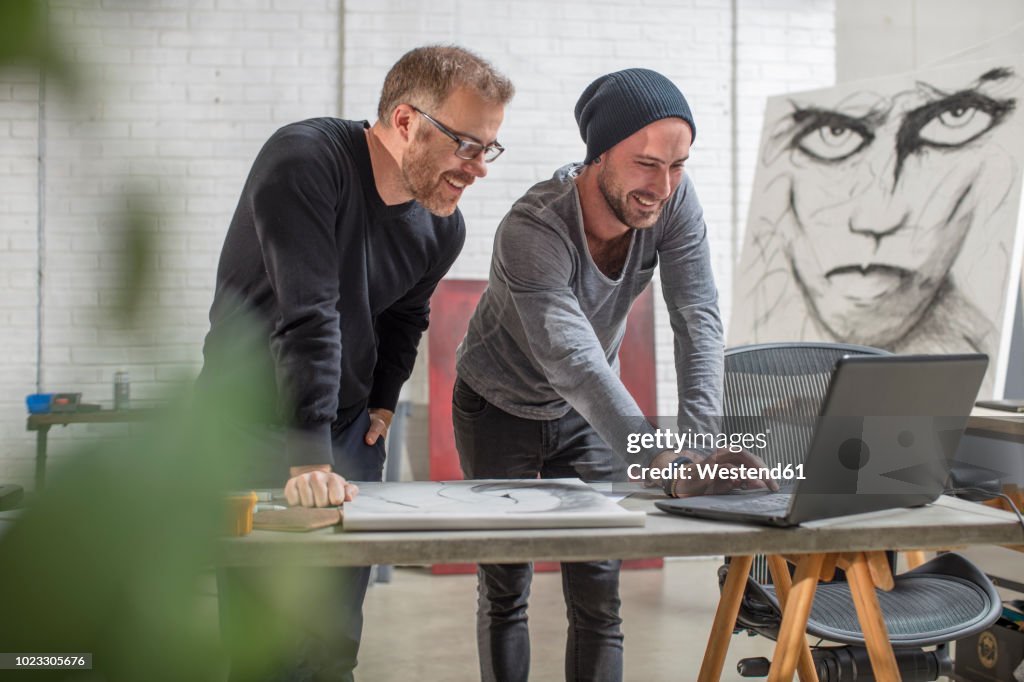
[
  {"x": 181, "y": 94},
  {"x": 19, "y": 108}
]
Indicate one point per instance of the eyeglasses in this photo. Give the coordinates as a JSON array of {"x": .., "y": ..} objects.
[{"x": 467, "y": 149}]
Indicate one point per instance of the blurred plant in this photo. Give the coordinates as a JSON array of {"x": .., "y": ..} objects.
[
  {"x": 111, "y": 558},
  {"x": 26, "y": 38},
  {"x": 137, "y": 234}
]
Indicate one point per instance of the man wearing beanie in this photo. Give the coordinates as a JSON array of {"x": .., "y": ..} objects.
[{"x": 538, "y": 391}]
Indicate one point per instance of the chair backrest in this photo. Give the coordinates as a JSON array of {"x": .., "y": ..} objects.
[{"x": 778, "y": 389}]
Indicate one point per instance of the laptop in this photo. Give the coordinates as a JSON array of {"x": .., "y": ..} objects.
[{"x": 884, "y": 438}]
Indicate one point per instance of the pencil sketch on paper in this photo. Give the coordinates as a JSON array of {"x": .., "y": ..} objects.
[
  {"x": 483, "y": 504},
  {"x": 886, "y": 213}
]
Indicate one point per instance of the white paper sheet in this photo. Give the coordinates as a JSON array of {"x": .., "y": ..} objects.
[{"x": 484, "y": 504}]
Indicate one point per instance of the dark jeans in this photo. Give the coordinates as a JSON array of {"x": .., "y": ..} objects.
[
  {"x": 495, "y": 444},
  {"x": 324, "y": 627}
]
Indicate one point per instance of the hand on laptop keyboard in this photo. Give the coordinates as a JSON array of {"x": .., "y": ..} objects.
[{"x": 719, "y": 473}]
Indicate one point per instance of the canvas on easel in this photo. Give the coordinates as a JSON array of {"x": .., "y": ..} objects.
[{"x": 887, "y": 213}]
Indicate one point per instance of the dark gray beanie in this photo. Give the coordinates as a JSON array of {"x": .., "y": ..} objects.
[{"x": 617, "y": 105}]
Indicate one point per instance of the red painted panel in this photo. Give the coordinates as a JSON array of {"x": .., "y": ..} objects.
[
  {"x": 451, "y": 307},
  {"x": 636, "y": 357}
]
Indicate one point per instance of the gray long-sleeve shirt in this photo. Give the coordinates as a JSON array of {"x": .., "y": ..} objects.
[{"x": 546, "y": 334}]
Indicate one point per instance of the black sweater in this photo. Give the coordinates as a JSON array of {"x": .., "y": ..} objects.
[{"x": 339, "y": 282}]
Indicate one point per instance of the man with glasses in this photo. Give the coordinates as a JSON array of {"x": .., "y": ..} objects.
[
  {"x": 538, "y": 391},
  {"x": 342, "y": 232},
  {"x": 467, "y": 149}
]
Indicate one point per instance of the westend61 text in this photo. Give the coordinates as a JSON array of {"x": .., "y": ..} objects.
[
  {"x": 705, "y": 472},
  {"x": 666, "y": 439}
]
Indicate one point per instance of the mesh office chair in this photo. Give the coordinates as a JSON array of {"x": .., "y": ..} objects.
[{"x": 781, "y": 387}]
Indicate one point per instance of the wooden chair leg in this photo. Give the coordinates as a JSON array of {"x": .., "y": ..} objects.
[
  {"x": 725, "y": 619},
  {"x": 828, "y": 569},
  {"x": 792, "y": 636},
  {"x": 783, "y": 583},
  {"x": 878, "y": 568},
  {"x": 914, "y": 557},
  {"x": 876, "y": 637}
]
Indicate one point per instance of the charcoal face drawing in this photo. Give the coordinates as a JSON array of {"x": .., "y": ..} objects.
[{"x": 863, "y": 203}]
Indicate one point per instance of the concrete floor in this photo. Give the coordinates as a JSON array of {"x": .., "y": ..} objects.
[{"x": 421, "y": 626}]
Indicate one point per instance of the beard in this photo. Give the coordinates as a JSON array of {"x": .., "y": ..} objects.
[
  {"x": 427, "y": 184},
  {"x": 629, "y": 214}
]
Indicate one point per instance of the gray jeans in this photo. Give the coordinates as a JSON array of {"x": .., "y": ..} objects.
[{"x": 495, "y": 444}]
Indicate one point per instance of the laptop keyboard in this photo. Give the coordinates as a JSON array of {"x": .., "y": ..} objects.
[{"x": 763, "y": 504}]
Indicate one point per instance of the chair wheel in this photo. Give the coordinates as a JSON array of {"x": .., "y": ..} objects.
[{"x": 753, "y": 667}]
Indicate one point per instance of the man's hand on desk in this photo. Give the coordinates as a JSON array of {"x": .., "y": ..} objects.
[
  {"x": 317, "y": 486},
  {"x": 689, "y": 481}
]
